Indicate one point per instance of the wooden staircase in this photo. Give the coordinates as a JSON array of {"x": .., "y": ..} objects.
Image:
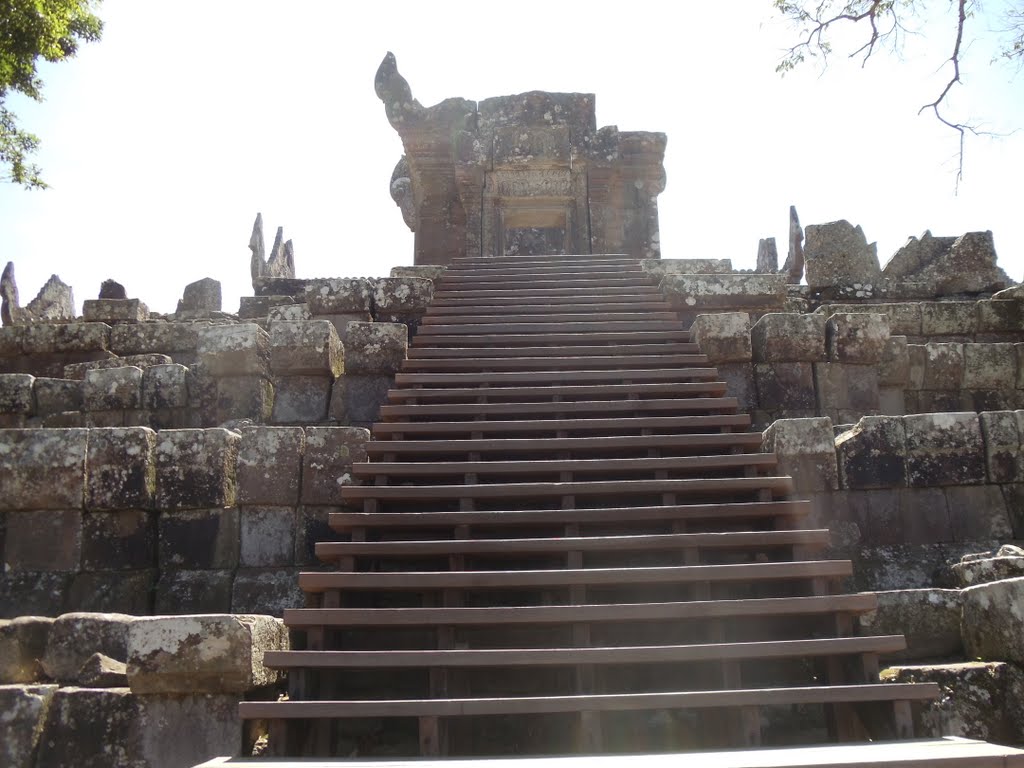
[{"x": 568, "y": 543}]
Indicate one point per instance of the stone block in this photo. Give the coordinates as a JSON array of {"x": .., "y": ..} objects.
[
  {"x": 735, "y": 292},
  {"x": 122, "y": 470},
  {"x": 128, "y": 592},
  {"x": 202, "y": 295},
  {"x": 989, "y": 366},
  {"x": 234, "y": 350},
  {"x": 289, "y": 313},
  {"x": 42, "y": 469},
  {"x": 339, "y": 296},
  {"x": 894, "y": 368},
  {"x": 74, "y": 637},
  {"x": 77, "y": 371},
  {"x": 11, "y": 337},
  {"x": 16, "y": 395},
  {"x": 243, "y": 397},
  {"x": 395, "y": 298},
  {"x": 375, "y": 348},
  {"x": 259, "y": 307},
  {"x": 928, "y": 618},
  {"x": 788, "y": 386},
  {"x": 662, "y": 267},
  {"x": 978, "y": 700},
  {"x": 202, "y": 654},
  {"x": 309, "y": 348},
  {"x": 857, "y": 338},
  {"x": 119, "y": 541},
  {"x": 892, "y": 401},
  {"x": 992, "y": 623},
  {"x": 426, "y": 271},
  {"x": 1013, "y": 496},
  {"x": 301, "y": 399},
  {"x": 103, "y": 727},
  {"x": 22, "y": 645},
  {"x": 57, "y": 396},
  {"x": 112, "y": 389},
  {"x": 724, "y": 337},
  {"x": 311, "y": 526},
  {"x": 900, "y": 566},
  {"x": 327, "y": 463},
  {"x": 165, "y": 386},
  {"x": 1000, "y": 317},
  {"x": 806, "y": 451},
  {"x": 918, "y": 359},
  {"x": 1004, "y": 462},
  {"x": 79, "y": 337},
  {"x": 44, "y": 540},
  {"x": 281, "y": 286},
  {"x": 114, "y": 311},
  {"x": 847, "y": 388},
  {"x": 985, "y": 567},
  {"x": 978, "y": 513},
  {"x": 101, "y": 671},
  {"x": 904, "y": 317},
  {"x": 164, "y": 338},
  {"x": 198, "y": 539},
  {"x": 356, "y": 398},
  {"x": 837, "y": 254},
  {"x": 948, "y": 318},
  {"x": 873, "y": 454},
  {"x": 267, "y": 536},
  {"x": 788, "y": 337},
  {"x": 179, "y": 592},
  {"x": 269, "y": 591},
  {"x": 944, "y": 449},
  {"x": 33, "y": 593},
  {"x": 24, "y": 711},
  {"x": 878, "y": 516},
  {"x": 739, "y": 380},
  {"x": 269, "y": 463},
  {"x": 924, "y": 517},
  {"x": 195, "y": 468}
]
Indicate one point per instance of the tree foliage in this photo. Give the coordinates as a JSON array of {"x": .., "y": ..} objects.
[
  {"x": 31, "y": 30},
  {"x": 884, "y": 23}
]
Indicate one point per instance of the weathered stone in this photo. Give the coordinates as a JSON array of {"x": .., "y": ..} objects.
[
  {"x": 301, "y": 399},
  {"x": 112, "y": 389},
  {"x": 837, "y": 254},
  {"x": 111, "y": 289},
  {"x": 196, "y": 468},
  {"x": 894, "y": 367},
  {"x": 309, "y": 348},
  {"x": 121, "y": 540},
  {"x": 202, "y": 295},
  {"x": 179, "y": 592},
  {"x": 765, "y": 293},
  {"x": 950, "y": 265},
  {"x": 42, "y": 469},
  {"x": 857, "y": 338},
  {"x": 767, "y": 256},
  {"x": 924, "y": 517},
  {"x": 398, "y": 299},
  {"x": 243, "y": 397},
  {"x": 271, "y": 591},
  {"x": 202, "y": 654},
  {"x": 234, "y": 350},
  {"x": 900, "y": 566},
  {"x": 198, "y": 539},
  {"x": 793, "y": 269},
  {"x": 928, "y": 618},
  {"x": 999, "y": 317},
  {"x": 33, "y": 593},
  {"x": 77, "y": 371},
  {"x": 24, "y": 711},
  {"x": 426, "y": 271},
  {"x": 993, "y": 623},
  {"x": 944, "y": 366},
  {"x": 289, "y": 313},
  {"x": 948, "y": 318},
  {"x": 16, "y": 394},
  {"x": 375, "y": 348},
  {"x": 1003, "y": 459},
  {"x": 56, "y": 396},
  {"x": 269, "y": 462},
  {"x": 662, "y": 267},
  {"x": 54, "y": 301},
  {"x": 281, "y": 286},
  {"x": 340, "y": 296},
  {"x": 44, "y": 540},
  {"x": 977, "y": 700},
  {"x": 280, "y": 263},
  {"x": 103, "y": 727},
  {"x": 327, "y": 464},
  {"x": 165, "y": 386},
  {"x": 944, "y": 449},
  {"x": 114, "y": 311},
  {"x": 904, "y": 318},
  {"x": 122, "y": 472},
  {"x": 847, "y": 388},
  {"x": 806, "y": 451},
  {"x": 989, "y": 366},
  {"x": 739, "y": 380},
  {"x": 165, "y": 338},
  {"x": 978, "y": 513},
  {"x": 101, "y": 671},
  {"x": 724, "y": 337},
  {"x": 267, "y": 536},
  {"x": 873, "y": 454},
  {"x": 787, "y": 386},
  {"x": 22, "y": 645},
  {"x": 985, "y": 567},
  {"x": 115, "y": 591},
  {"x": 311, "y": 526},
  {"x": 356, "y": 398},
  {"x": 788, "y": 337},
  {"x": 74, "y": 637}
]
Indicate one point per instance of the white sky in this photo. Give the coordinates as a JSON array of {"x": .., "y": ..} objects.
[{"x": 163, "y": 140}]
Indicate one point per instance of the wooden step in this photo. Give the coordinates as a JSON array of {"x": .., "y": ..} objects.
[
  {"x": 537, "y": 294},
  {"x": 552, "y": 378},
  {"x": 328, "y": 550},
  {"x": 455, "y": 284},
  {"x": 607, "y": 270},
  {"x": 560, "y": 350},
  {"x": 566, "y": 408},
  {"x": 420, "y": 581},
  {"x": 486, "y": 318},
  {"x": 424, "y": 339},
  {"x": 640, "y": 305},
  {"x": 567, "y": 300},
  {"x": 604, "y": 613},
  {"x": 590, "y": 362},
  {"x": 549, "y": 326},
  {"x": 564, "y": 392},
  {"x": 476, "y": 263},
  {"x": 751, "y": 510},
  {"x": 624, "y": 425},
  {"x": 832, "y": 694}
]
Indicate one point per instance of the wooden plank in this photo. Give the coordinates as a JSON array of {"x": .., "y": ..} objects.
[
  {"x": 590, "y": 362},
  {"x": 315, "y": 581},
  {"x": 570, "y": 407},
  {"x": 548, "y": 326},
  {"x": 574, "y": 445},
  {"x": 734, "y": 421},
  {"x": 562, "y": 317},
  {"x": 550, "y": 378},
  {"x": 682, "y": 388},
  {"x": 424, "y": 339},
  {"x": 419, "y": 352},
  {"x": 637, "y": 304},
  {"x": 624, "y": 296}
]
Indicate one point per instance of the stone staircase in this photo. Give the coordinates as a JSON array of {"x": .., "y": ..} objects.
[{"x": 568, "y": 543}]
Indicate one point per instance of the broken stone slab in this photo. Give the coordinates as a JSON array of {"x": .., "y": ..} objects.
[
  {"x": 113, "y": 311},
  {"x": 950, "y": 265},
  {"x": 767, "y": 256},
  {"x": 661, "y": 267},
  {"x": 202, "y": 295},
  {"x": 806, "y": 451},
  {"x": 788, "y": 337},
  {"x": 77, "y": 371},
  {"x": 74, "y": 637},
  {"x": 375, "y": 348},
  {"x": 234, "y": 350},
  {"x": 101, "y": 671},
  {"x": 978, "y": 700},
  {"x": 857, "y": 338},
  {"x": 992, "y": 623},
  {"x": 112, "y": 389},
  {"x": 111, "y": 289},
  {"x": 42, "y": 468},
  {"x": 837, "y": 254},
  {"x": 1013, "y": 293},
  {"x": 723, "y": 337},
  {"x": 24, "y": 710},
  {"x": 340, "y": 296},
  {"x": 327, "y": 462},
  {"x": 16, "y": 394},
  {"x": 984, "y": 567},
  {"x": 22, "y": 645},
  {"x": 873, "y": 454},
  {"x": 734, "y": 292},
  {"x": 928, "y": 618},
  {"x": 269, "y": 464},
  {"x": 202, "y": 653},
  {"x": 309, "y": 348},
  {"x": 196, "y": 468},
  {"x": 944, "y": 449},
  {"x": 426, "y": 271}
]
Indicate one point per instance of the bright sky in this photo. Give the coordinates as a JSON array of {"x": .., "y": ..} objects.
[{"x": 163, "y": 140}]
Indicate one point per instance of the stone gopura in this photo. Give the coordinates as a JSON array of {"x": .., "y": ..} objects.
[{"x": 521, "y": 175}]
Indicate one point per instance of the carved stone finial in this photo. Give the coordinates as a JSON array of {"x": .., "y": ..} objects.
[
  {"x": 767, "y": 256},
  {"x": 257, "y": 261},
  {"x": 394, "y": 91},
  {"x": 282, "y": 255},
  {"x": 111, "y": 289},
  {"x": 402, "y": 193},
  {"x": 794, "y": 266},
  {"x": 9, "y": 305}
]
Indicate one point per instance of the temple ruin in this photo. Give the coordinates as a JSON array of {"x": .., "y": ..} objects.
[{"x": 542, "y": 492}]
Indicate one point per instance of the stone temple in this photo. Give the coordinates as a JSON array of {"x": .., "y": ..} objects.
[{"x": 544, "y": 492}]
